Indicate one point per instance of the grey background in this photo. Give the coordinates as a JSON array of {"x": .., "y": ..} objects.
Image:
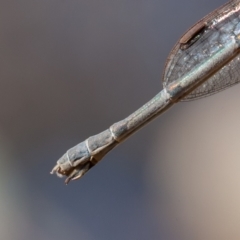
[{"x": 68, "y": 70}]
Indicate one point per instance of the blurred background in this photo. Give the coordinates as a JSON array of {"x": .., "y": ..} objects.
[{"x": 69, "y": 69}]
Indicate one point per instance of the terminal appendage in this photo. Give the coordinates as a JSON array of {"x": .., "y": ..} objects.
[{"x": 79, "y": 159}]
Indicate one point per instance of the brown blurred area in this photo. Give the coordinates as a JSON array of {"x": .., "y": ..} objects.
[{"x": 68, "y": 70}]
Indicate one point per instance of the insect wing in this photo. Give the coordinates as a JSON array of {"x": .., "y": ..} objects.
[{"x": 201, "y": 42}]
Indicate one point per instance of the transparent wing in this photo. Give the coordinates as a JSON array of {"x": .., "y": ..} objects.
[{"x": 200, "y": 43}]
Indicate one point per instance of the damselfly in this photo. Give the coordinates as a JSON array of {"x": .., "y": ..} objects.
[{"x": 204, "y": 61}]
